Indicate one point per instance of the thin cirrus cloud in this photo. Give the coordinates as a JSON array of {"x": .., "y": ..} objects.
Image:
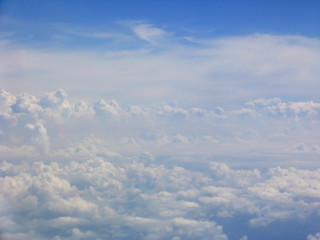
[
  {"x": 149, "y": 33},
  {"x": 89, "y": 33},
  {"x": 141, "y": 30}
]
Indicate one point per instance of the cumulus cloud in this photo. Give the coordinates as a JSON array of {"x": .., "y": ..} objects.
[
  {"x": 244, "y": 238},
  {"x": 39, "y": 136},
  {"x": 313, "y": 237},
  {"x": 82, "y": 171},
  {"x": 95, "y": 198},
  {"x": 111, "y": 108},
  {"x": 275, "y": 107},
  {"x": 48, "y": 121}
]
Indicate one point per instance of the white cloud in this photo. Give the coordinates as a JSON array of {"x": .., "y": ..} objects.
[
  {"x": 73, "y": 169},
  {"x": 313, "y": 237},
  {"x": 275, "y": 107},
  {"x": 222, "y": 71},
  {"x": 149, "y": 33},
  {"x": 130, "y": 197},
  {"x": 39, "y": 136},
  {"x": 46, "y": 122},
  {"x": 111, "y": 108}
]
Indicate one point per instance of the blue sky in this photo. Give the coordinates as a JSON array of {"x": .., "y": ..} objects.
[
  {"x": 159, "y": 120},
  {"x": 39, "y": 24},
  {"x": 216, "y": 17}
]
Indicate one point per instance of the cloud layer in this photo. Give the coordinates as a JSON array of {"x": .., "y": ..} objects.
[
  {"x": 79, "y": 170},
  {"x": 150, "y": 65},
  {"x": 45, "y": 123}
]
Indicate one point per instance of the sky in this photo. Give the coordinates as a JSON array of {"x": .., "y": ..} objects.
[{"x": 159, "y": 120}]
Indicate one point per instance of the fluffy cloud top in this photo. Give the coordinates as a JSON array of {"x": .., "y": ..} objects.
[
  {"x": 102, "y": 171},
  {"x": 50, "y": 120}
]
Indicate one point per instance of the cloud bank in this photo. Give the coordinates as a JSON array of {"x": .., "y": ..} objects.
[{"x": 96, "y": 170}]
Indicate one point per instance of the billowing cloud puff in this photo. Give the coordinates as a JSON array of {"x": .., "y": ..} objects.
[
  {"x": 102, "y": 171},
  {"x": 51, "y": 116},
  {"x": 111, "y": 108},
  {"x": 313, "y": 237},
  {"x": 39, "y": 136},
  {"x": 26, "y": 104},
  {"x": 276, "y": 107},
  {"x": 105, "y": 198}
]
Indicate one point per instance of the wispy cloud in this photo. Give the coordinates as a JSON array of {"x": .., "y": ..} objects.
[
  {"x": 149, "y": 33},
  {"x": 90, "y": 33}
]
